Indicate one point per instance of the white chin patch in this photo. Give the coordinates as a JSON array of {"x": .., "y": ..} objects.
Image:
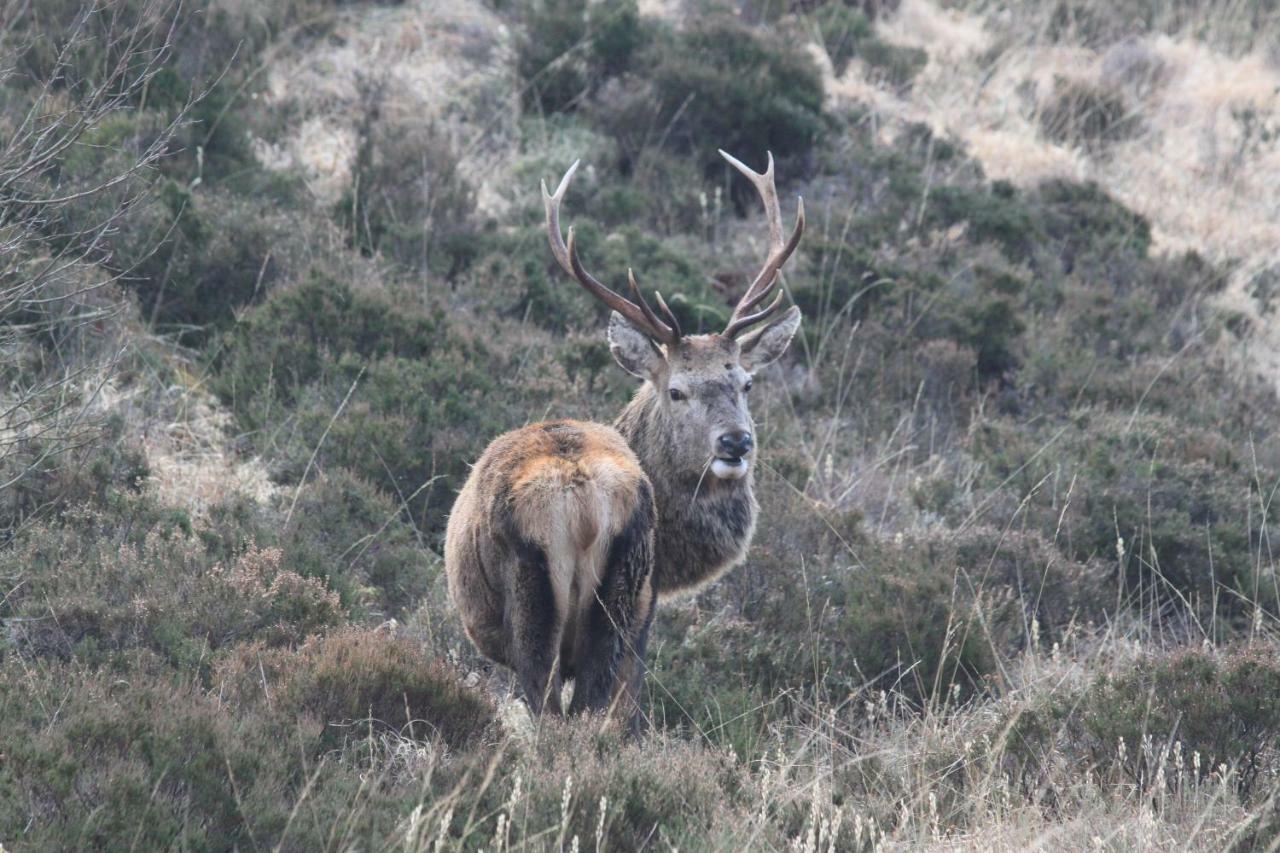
[{"x": 727, "y": 469}]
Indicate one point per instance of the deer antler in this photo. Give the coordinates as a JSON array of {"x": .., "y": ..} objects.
[
  {"x": 638, "y": 313},
  {"x": 779, "y": 250}
]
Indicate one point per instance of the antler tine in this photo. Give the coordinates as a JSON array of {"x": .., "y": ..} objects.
[
  {"x": 673, "y": 323},
  {"x": 768, "y": 190},
  {"x": 738, "y": 325},
  {"x": 566, "y": 255},
  {"x": 552, "y": 204},
  {"x": 670, "y": 315},
  {"x": 638, "y": 317},
  {"x": 779, "y": 251}
]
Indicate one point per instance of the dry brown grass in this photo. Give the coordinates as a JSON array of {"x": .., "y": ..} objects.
[{"x": 1203, "y": 166}]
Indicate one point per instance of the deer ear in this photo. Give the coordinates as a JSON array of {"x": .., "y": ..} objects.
[
  {"x": 632, "y": 348},
  {"x": 766, "y": 344}
]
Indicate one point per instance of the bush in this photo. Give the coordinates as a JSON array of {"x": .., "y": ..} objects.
[
  {"x": 97, "y": 587},
  {"x": 355, "y": 537},
  {"x": 660, "y": 792},
  {"x": 353, "y": 679},
  {"x": 1224, "y": 707},
  {"x": 846, "y": 32},
  {"x": 1080, "y": 113},
  {"x": 822, "y": 609},
  {"x": 1178, "y": 715},
  {"x": 101, "y": 761},
  {"x": 1171, "y": 497},
  {"x": 424, "y": 399},
  {"x": 722, "y": 84},
  {"x": 569, "y": 48},
  {"x": 407, "y": 198}
]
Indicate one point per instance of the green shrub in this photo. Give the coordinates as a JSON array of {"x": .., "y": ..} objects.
[
  {"x": 422, "y": 400},
  {"x": 996, "y": 214},
  {"x": 1079, "y": 113},
  {"x": 846, "y": 32},
  {"x": 822, "y": 609},
  {"x": 1176, "y": 715},
  {"x": 661, "y": 792},
  {"x": 1086, "y": 224},
  {"x": 719, "y": 83},
  {"x": 101, "y": 585},
  {"x": 108, "y": 762},
  {"x": 1225, "y": 707},
  {"x": 1172, "y": 498},
  {"x": 842, "y": 30},
  {"x": 103, "y": 464},
  {"x": 568, "y": 48}
]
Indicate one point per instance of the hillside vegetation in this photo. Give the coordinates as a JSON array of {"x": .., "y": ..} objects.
[{"x": 273, "y": 274}]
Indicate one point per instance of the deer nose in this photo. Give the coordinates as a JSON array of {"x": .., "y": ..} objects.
[{"x": 735, "y": 445}]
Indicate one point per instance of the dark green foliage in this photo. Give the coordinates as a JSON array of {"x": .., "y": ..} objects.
[
  {"x": 659, "y": 792},
  {"x": 994, "y": 214},
  {"x": 568, "y": 48},
  {"x": 843, "y": 30},
  {"x": 1173, "y": 494},
  {"x": 103, "y": 467},
  {"x": 846, "y": 32},
  {"x": 107, "y": 762},
  {"x": 822, "y": 609},
  {"x": 720, "y": 83},
  {"x": 1098, "y": 24},
  {"x": 1225, "y": 707},
  {"x": 1179, "y": 715},
  {"x": 354, "y": 536},
  {"x": 423, "y": 401},
  {"x": 222, "y": 252},
  {"x": 1265, "y": 288}
]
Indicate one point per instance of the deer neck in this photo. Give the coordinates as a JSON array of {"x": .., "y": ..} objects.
[{"x": 705, "y": 524}]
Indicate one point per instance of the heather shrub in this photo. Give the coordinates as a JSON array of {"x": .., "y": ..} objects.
[
  {"x": 421, "y": 398},
  {"x": 407, "y": 199},
  {"x": 1081, "y": 113},
  {"x": 568, "y": 48},
  {"x": 824, "y": 609},
  {"x": 356, "y": 538},
  {"x": 664, "y": 791},
  {"x": 222, "y": 251},
  {"x": 104, "y": 465},
  {"x": 355, "y": 679},
  {"x": 95, "y": 588},
  {"x": 96, "y": 760},
  {"x": 750, "y": 90},
  {"x": 1224, "y": 706},
  {"x": 1164, "y": 499},
  {"x": 842, "y": 30},
  {"x": 1169, "y": 720}
]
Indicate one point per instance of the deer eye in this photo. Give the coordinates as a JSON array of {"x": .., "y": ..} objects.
[
  {"x": 678, "y": 395},
  {"x": 747, "y": 387}
]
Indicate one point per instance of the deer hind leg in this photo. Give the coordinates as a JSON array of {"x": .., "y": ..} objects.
[
  {"x": 611, "y": 658},
  {"x": 535, "y": 624}
]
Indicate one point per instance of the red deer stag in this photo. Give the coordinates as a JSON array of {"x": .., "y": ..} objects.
[{"x": 567, "y": 533}]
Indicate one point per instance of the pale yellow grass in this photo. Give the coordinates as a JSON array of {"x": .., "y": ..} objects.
[
  {"x": 443, "y": 63},
  {"x": 1204, "y": 166}
]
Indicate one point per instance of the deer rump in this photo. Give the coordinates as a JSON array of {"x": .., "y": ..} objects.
[{"x": 549, "y": 557}]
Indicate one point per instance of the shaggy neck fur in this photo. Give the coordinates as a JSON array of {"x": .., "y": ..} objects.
[{"x": 705, "y": 523}]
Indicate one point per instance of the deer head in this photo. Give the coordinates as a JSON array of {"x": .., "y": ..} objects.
[{"x": 699, "y": 382}]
